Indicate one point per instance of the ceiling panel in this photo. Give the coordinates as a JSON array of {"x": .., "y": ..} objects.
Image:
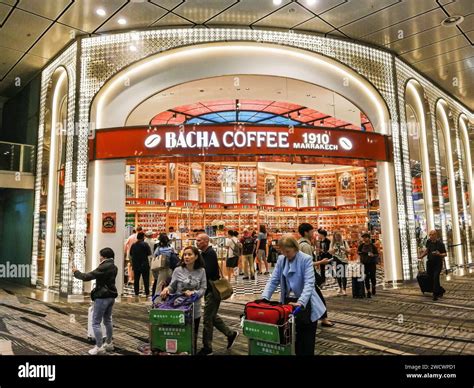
[
  {"x": 315, "y": 24},
  {"x": 286, "y": 17},
  {"x": 468, "y": 23},
  {"x": 459, "y": 7},
  {"x": 8, "y": 2},
  {"x": 54, "y": 41},
  {"x": 29, "y": 66},
  {"x": 8, "y": 58},
  {"x": 353, "y": 10},
  {"x": 136, "y": 14},
  {"x": 172, "y": 20},
  {"x": 22, "y": 29},
  {"x": 194, "y": 10},
  {"x": 425, "y": 38},
  {"x": 83, "y": 14},
  {"x": 4, "y": 9},
  {"x": 388, "y": 16},
  {"x": 246, "y": 12},
  {"x": 436, "y": 49},
  {"x": 445, "y": 59},
  {"x": 168, "y": 4},
  {"x": 48, "y": 9}
]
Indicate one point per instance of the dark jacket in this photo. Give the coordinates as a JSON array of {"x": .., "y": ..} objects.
[
  {"x": 104, "y": 275},
  {"x": 139, "y": 252},
  {"x": 211, "y": 266}
]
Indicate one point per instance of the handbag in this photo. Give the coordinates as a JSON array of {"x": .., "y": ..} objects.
[
  {"x": 221, "y": 288},
  {"x": 159, "y": 262}
]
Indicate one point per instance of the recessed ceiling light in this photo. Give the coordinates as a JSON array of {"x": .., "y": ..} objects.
[
  {"x": 133, "y": 48},
  {"x": 277, "y": 2},
  {"x": 122, "y": 21},
  {"x": 452, "y": 21},
  {"x": 310, "y": 2},
  {"x": 100, "y": 12}
]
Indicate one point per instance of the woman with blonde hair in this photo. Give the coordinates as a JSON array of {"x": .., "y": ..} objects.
[
  {"x": 294, "y": 274},
  {"x": 339, "y": 249}
]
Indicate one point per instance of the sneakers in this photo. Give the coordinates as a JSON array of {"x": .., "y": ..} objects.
[
  {"x": 344, "y": 293},
  {"x": 95, "y": 351},
  {"x": 266, "y": 273},
  {"x": 205, "y": 352},
  {"x": 109, "y": 347},
  {"x": 231, "y": 339},
  {"x": 339, "y": 293}
]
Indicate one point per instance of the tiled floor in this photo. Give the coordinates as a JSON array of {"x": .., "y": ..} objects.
[{"x": 396, "y": 321}]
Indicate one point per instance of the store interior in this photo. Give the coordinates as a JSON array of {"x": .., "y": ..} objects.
[{"x": 218, "y": 196}]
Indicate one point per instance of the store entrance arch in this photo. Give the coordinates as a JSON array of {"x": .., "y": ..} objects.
[{"x": 126, "y": 94}]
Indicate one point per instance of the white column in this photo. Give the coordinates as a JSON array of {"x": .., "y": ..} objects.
[
  {"x": 106, "y": 195},
  {"x": 389, "y": 221}
]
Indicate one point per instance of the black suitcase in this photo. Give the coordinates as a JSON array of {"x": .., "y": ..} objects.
[
  {"x": 424, "y": 281},
  {"x": 358, "y": 288}
]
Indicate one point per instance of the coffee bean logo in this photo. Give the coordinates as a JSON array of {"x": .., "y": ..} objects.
[
  {"x": 152, "y": 141},
  {"x": 345, "y": 143}
]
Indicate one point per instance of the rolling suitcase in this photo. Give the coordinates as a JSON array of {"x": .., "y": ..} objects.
[
  {"x": 424, "y": 281},
  {"x": 268, "y": 312},
  {"x": 90, "y": 331},
  {"x": 358, "y": 288}
]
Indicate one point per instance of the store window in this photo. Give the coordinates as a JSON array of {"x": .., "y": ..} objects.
[{"x": 416, "y": 170}]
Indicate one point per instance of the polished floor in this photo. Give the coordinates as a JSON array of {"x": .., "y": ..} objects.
[{"x": 396, "y": 322}]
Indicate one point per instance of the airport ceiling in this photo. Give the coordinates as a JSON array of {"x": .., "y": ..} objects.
[{"x": 32, "y": 32}]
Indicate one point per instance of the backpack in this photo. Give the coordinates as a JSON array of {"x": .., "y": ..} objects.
[
  {"x": 248, "y": 245},
  {"x": 236, "y": 249}
]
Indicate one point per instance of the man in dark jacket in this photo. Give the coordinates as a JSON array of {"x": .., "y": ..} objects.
[
  {"x": 103, "y": 295},
  {"x": 211, "y": 307},
  {"x": 139, "y": 253},
  {"x": 436, "y": 252}
]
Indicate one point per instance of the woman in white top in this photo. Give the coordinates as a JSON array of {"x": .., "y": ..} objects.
[{"x": 339, "y": 249}]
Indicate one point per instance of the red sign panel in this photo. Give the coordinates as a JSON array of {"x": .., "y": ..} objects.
[
  {"x": 109, "y": 222},
  {"x": 227, "y": 140}
]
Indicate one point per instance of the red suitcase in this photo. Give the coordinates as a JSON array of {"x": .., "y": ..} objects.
[{"x": 268, "y": 312}]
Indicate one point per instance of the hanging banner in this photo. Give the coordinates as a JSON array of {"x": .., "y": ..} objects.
[
  {"x": 109, "y": 222},
  {"x": 217, "y": 140}
]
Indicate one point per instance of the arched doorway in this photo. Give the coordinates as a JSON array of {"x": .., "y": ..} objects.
[{"x": 117, "y": 102}]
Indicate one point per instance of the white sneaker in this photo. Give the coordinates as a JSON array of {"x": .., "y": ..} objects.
[
  {"x": 109, "y": 347},
  {"x": 339, "y": 293},
  {"x": 95, "y": 351}
]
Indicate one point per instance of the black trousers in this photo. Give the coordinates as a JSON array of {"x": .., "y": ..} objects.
[
  {"x": 341, "y": 275},
  {"x": 433, "y": 269},
  {"x": 370, "y": 275},
  {"x": 145, "y": 273},
  {"x": 318, "y": 291},
  {"x": 305, "y": 340}
]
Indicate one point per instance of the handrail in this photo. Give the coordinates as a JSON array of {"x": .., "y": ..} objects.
[{"x": 18, "y": 144}]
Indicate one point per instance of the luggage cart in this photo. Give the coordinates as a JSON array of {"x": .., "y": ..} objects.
[
  {"x": 171, "y": 329},
  {"x": 265, "y": 339}
]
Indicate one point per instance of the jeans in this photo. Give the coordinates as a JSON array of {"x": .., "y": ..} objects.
[
  {"x": 341, "y": 275},
  {"x": 370, "y": 275},
  {"x": 433, "y": 269},
  {"x": 249, "y": 264},
  {"x": 145, "y": 273},
  {"x": 211, "y": 320},
  {"x": 102, "y": 311}
]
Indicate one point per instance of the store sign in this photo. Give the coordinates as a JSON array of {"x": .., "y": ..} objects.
[
  {"x": 109, "y": 222},
  {"x": 214, "y": 140}
]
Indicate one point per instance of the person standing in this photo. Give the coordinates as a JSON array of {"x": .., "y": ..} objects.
[
  {"x": 323, "y": 252},
  {"x": 103, "y": 296},
  {"x": 436, "y": 252},
  {"x": 161, "y": 275},
  {"x": 368, "y": 255},
  {"x": 212, "y": 302},
  {"x": 294, "y": 273},
  {"x": 306, "y": 232},
  {"x": 339, "y": 249},
  {"x": 262, "y": 250},
  {"x": 189, "y": 279},
  {"x": 132, "y": 239},
  {"x": 233, "y": 255},
  {"x": 139, "y": 253},
  {"x": 248, "y": 248},
  {"x": 172, "y": 235}
]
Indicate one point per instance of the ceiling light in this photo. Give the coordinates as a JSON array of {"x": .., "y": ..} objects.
[
  {"x": 452, "y": 21},
  {"x": 277, "y": 2},
  {"x": 310, "y": 2},
  {"x": 122, "y": 21},
  {"x": 133, "y": 48},
  {"x": 100, "y": 12}
]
